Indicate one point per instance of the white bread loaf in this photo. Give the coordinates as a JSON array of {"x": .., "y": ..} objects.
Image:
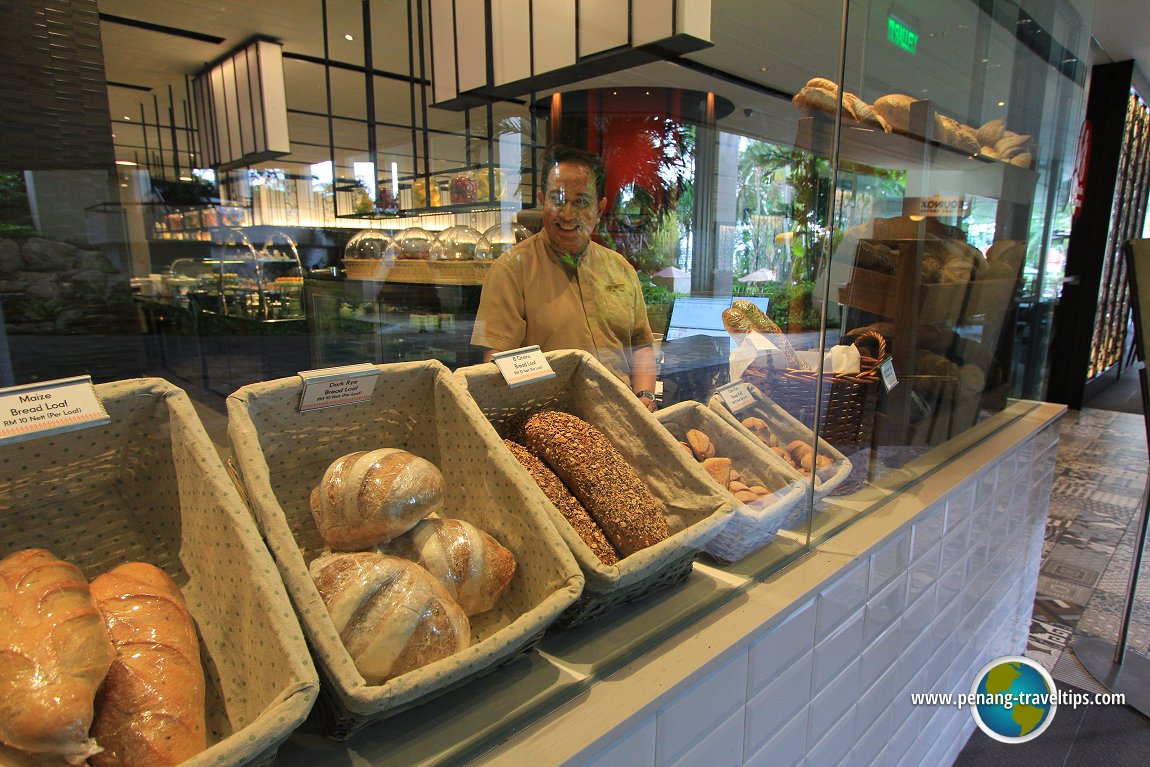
[
  {"x": 473, "y": 567},
  {"x": 54, "y": 653},
  {"x": 391, "y": 614},
  {"x": 150, "y": 711},
  {"x": 366, "y": 498}
]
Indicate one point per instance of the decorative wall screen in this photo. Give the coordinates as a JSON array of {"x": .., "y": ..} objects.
[{"x": 1126, "y": 221}]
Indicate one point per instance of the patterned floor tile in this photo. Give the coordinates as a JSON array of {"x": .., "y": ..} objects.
[
  {"x": 1054, "y": 588},
  {"x": 1078, "y": 575},
  {"x": 1057, "y": 611}
]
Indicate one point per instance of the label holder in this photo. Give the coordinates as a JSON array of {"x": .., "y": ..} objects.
[
  {"x": 334, "y": 387},
  {"x": 523, "y": 366},
  {"x": 48, "y": 408},
  {"x": 736, "y": 396}
]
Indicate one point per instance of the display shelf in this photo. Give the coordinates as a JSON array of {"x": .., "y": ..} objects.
[
  {"x": 475, "y": 207},
  {"x": 415, "y": 272}
]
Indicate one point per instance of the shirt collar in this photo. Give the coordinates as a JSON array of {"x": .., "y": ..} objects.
[{"x": 569, "y": 260}]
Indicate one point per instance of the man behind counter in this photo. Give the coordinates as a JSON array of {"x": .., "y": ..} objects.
[{"x": 560, "y": 290}]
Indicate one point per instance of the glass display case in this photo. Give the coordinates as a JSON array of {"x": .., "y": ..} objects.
[{"x": 262, "y": 285}]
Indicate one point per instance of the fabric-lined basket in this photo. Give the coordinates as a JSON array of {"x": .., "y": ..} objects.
[
  {"x": 752, "y": 525},
  {"x": 417, "y": 406},
  {"x": 149, "y": 486},
  {"x": 787, "y": 429},
  {"x": 696, "y": 508},
  {"x": 848, "y": 400}
]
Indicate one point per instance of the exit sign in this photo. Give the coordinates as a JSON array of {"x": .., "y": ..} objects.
[{"x": 901, "y": 35}]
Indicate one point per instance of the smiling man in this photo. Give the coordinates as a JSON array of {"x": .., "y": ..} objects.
[{"x": 560, "y": 290}]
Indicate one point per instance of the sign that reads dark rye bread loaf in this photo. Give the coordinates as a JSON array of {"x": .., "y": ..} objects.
[{"x": 331, "y": 387}]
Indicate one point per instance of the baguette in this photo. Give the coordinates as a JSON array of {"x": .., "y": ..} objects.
[
  {"x": 151, "y": 707},
  {"x": 54, "y": 653}
]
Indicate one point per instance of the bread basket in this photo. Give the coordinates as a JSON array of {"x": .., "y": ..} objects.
[
  {"x": 282, "y": 454},
  {"x": 696, "y": 508},
  {"x": 150, "y": 486},
  {"x": 750, "y": 526},
  {"x": 787, "y": 428}
]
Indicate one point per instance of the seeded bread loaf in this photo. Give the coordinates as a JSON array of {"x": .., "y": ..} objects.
[
  {"x": 568, "y": 505},
  {"x": 599, "y": 476}
]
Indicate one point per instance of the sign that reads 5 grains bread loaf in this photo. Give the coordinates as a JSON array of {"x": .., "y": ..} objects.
[
  {"x": 523, "y": 366},
  {"x": 49, "y": 407}
]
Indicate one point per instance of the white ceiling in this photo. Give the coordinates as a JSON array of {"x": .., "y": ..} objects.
[
  {"x": 778, "y": 45},
  {"x": 1122, "y": 29}
]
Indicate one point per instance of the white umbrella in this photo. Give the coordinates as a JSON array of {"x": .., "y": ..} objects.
[{"x": 760, "y": 275}]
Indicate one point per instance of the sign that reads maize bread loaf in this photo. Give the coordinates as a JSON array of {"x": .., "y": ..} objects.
[
  {"x": 337, "y": 386},
  {"x": 50, "y": 407},
  {"x": 523, "y": 366}
]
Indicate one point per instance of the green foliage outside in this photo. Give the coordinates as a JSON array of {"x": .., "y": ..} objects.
[{"x": 15, "y": 212}]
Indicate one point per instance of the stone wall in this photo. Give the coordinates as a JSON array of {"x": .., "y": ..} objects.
[{"x": 53, "y": 287}]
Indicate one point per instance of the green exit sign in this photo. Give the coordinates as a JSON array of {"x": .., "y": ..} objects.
[{"x": 901, "y": 35}]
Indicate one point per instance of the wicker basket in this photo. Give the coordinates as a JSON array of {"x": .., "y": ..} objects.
[
  {"x": 420, "y": 407},
  {"x": 788, "y": 428},
  {"x": 848, "y": 400},
  {"x": 749, "y": 527},
  {"x": 696, "y": 508},
  {"x": 149, "y": 486}
]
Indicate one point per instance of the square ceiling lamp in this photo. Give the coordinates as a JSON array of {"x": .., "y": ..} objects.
[
  {"x": 486, "y": 50},
  {"x": 241, "y": 107}
]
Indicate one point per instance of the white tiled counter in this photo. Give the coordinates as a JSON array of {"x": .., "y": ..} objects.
[
  {"x": 812, "y": 665},
  {"x": 816, "y": 665}
]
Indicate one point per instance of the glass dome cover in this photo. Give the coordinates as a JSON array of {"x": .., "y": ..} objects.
[
  {"x": 504, "y": 235},
  {"x": 370, "y": 244},
  {"x": 462, "y": 243},
  {"x": 414, "y": 244}
]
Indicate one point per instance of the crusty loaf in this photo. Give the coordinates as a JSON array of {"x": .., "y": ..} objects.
[
  {"x": 150, "y": 711},
  {"x": 745, "y": 317},
  {"x": 366, "y": 498},
  {"x": 599, "y": 476},
  {"x": 474, "y": 567},
  {"x": 391, "y": 614},
  {"x": 567, "y": 504},
  {"x": 54, "y": 653}
]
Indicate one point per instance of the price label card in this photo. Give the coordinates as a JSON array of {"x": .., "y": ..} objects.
[
  {"x": 889, "y": 379},
  {"x": 736, "y": 396},
  {"x": 523, "y": 366},
  {"x": 332, "y": 387},
  {"x": 52, "y": 407}
]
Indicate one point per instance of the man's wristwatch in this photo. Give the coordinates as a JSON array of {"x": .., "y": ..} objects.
[{"x": 645, "y": 395}]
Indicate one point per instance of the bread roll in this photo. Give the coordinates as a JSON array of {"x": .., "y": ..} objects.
[
  {"x": 150, "y": 711},
  {"x": 567, "y": 504},
  {"x": 391, "y": 614},
  {"x": 824, "y": 84},
  {"x": 473, "y": 567},
  {"x": 600, "y": 478},
  {"x": 366, "y": 498},
  {"x": 895, "y": 109},
  {"x": 54, "y": 653},
  {"x": 991, "y": 133},
  {"x": 701, "y": 445},
  {"x": 719, "y": 469},
  {"x": 817, "y": 99}
]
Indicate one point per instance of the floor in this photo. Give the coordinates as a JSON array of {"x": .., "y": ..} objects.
[{"x": 1095, "y": 509}]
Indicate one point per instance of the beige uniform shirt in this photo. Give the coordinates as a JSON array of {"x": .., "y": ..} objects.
[{"x": 531, "y": 297}]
